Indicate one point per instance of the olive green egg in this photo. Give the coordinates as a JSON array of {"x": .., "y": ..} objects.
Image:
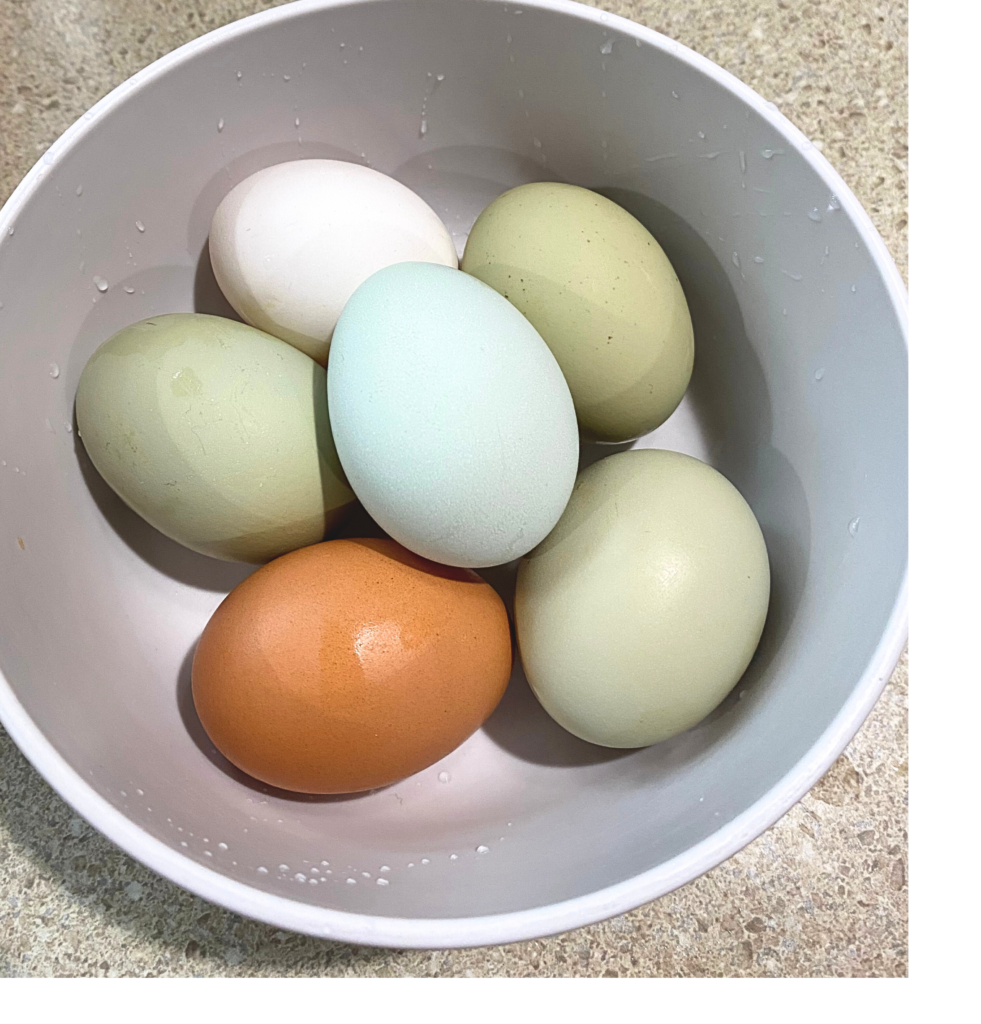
[
  {"x": 642, "y": 608},
  {"x": 215, "y": 433},
  {"x": 599, "y": 289}
]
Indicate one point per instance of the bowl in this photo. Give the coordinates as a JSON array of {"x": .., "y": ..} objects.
[{"x": 798, "y": 396}]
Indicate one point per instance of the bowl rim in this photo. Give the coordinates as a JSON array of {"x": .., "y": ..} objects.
[{"x": 535, "y": 922}]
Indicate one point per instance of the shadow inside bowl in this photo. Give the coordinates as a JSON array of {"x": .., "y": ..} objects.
[
  {"x": 731, "y": 400},
  {"x": 208, "y": 296}
]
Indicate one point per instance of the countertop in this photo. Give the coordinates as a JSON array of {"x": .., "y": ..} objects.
[{"x": 822, "y": 893}]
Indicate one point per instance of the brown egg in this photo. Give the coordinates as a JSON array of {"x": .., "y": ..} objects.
[{"x": 350, "y": 665}]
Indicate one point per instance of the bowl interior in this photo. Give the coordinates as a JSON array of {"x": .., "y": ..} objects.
[{"x": 798, "y": 396}]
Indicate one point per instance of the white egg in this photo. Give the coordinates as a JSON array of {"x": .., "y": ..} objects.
[{"x": 290, "y": 244}]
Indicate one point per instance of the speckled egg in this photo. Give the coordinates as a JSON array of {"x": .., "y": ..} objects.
[
  {"x": 350, "y": 665},
  {"x": 600, "y": 291}
]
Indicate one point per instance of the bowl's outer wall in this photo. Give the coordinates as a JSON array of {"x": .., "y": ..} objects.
[{"x": 798, "y": 396}]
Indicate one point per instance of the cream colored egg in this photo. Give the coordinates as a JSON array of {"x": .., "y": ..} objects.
[
  {"x": 643, "y": 607},
  {"x": 290, "y": 244}
]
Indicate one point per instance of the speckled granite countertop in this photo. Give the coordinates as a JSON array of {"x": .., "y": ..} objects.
[{"x": 823, "y": 892}]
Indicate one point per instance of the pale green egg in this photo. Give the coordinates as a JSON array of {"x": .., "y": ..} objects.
[
  {"x": 599, "y": 289},
  {"x": 215, "y": 433},
  {"x": 642, "y": 608}
]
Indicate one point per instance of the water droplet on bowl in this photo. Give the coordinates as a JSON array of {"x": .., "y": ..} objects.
[
  {"x": 453, "y": 856},
  {"x": 54, "y": 373},
  {"x": 384, "y": 867},
  {"x": 769, "y": 154},
  {"x": 607, "y": 48},
  {"x": 129, "y": 289},
  {"x": 819, "y": 374},
  {"x": 78, "y": 191},
  {"x": 284, "y": 867},
  {"x": 735, "y": 259},
  {"x": 221, "y": 124},
  {"x": 758, "y": 259},
  {"x": 140, "y": 226},
  {"x": 351, "y": 881},
  {"x": 483, "y": 849},
  {"x": 223, "y": 846},
  {"x": 101, "y": 283},
  {"x": 834, "y": 203},
  {"x": 444, "y": 777},
  {"x": 425, "y": 860},
  {"x": 814, "y": 214},
  {"x": 854, "y": 525},
  {"x": 262, "y": 871},
  {"x": 300, "y": 876},
  {"x": 381, "y": 881}
]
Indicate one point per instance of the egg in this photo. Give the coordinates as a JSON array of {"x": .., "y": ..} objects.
[
  {"x": 215, "y": 433},
  {"x": 643, "y": 607},
  {"x": 451, "y": 417},
  {"x": 600, "y": 291},
  {"x": 350, "y": 665},
  {"x": 290, "y": 244}
]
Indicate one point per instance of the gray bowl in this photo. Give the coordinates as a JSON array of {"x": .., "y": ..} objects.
[{"x": 798, "y": 396}]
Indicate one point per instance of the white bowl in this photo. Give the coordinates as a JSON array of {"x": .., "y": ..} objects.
[{"x": 799, "y": 397}]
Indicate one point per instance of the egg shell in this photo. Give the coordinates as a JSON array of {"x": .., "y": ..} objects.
[
  {"x": 350, "y": 665},
  {"x": 215, "y": 433},
  {"x": 603, "y": 295},
  {"x": 643, "y": 607},
  {"x": 452, "y": 419},
  {"x": 291, "y": 243}
]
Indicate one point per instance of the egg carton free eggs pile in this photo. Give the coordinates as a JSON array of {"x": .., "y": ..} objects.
[{"x": 449, "y": 401}]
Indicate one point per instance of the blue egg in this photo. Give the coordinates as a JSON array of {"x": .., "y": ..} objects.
[{"x": 451, "y": 418}]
